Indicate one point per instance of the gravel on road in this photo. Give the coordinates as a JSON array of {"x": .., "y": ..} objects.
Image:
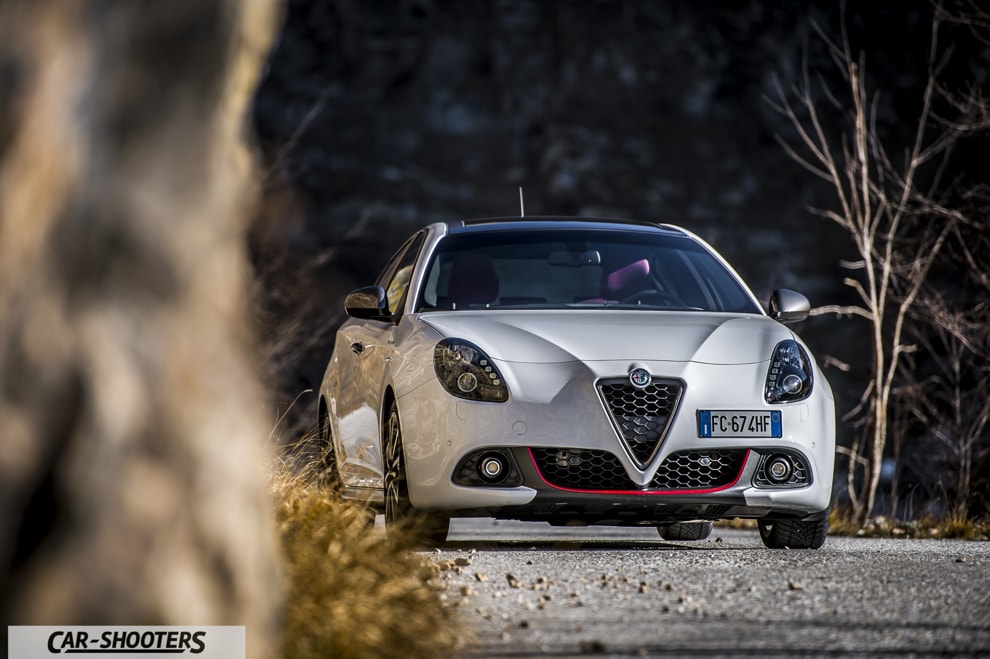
[{"x": 534, "y": 590}]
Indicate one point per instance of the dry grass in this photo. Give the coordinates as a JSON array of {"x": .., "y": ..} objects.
[
  {"x": 737, "y": 523},
  {"x": 351, "y": 591},
  {"x": 842, "y": 523}
]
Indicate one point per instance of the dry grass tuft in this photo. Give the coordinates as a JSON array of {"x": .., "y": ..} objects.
[
  {"x": 351, "y": 591},
  {"x": 842, "y": 523},
  {"x": 737, "y": 523}
]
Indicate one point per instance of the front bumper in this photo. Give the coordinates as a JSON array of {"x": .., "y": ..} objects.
[{"x": 557, "y": 407}]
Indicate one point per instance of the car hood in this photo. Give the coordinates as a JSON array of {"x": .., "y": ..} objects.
[{"x": 556, "y": 336}]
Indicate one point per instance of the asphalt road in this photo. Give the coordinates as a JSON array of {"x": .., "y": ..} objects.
[{"x": 530, "y": 590}]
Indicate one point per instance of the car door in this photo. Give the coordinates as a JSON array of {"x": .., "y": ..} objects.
[{"x": 364, "y": 353}]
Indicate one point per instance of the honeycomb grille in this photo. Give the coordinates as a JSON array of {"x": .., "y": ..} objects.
[
  {"x": 699, "y": 470},
  {"x": 594, "y": 470},
  {"x": 641, "y": 415},
  {"x": 579, "y": 469}
]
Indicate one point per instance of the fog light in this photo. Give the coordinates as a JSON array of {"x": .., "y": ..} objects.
[
  {"x": 779, "y": 469},
  {"x": 491, "y": 468}
]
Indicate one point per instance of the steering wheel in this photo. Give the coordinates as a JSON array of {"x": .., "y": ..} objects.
[{"x": 662, "y": 298}]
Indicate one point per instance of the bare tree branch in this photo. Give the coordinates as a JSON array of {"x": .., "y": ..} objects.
[{"x": 899, "y": 231}]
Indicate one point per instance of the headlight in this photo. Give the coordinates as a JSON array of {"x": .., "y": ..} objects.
[
  {"x": 789, "y": 378},
  {"x": 467, "y": 372}
]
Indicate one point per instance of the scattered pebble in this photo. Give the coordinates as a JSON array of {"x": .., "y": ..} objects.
[{"x": 592, "y": 646}]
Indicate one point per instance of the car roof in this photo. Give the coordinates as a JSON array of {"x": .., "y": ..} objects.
[{"x": 545, "y": 222}]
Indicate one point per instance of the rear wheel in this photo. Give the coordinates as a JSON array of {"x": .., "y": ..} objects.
[
  {"x": 793, "y": 533},
  {"x": 427, "y": 527},
  {"x": 685, "y": 531}
]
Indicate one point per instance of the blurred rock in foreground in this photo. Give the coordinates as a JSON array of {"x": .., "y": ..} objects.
[{"x": 131, "y": 423}]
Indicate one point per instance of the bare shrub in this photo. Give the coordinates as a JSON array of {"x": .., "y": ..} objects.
[
  {"x": 948, "y": 385},
  {"x": 894, "y": 208}
]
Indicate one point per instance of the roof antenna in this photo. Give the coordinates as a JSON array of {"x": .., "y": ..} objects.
[{"x": 522, "y": 209}]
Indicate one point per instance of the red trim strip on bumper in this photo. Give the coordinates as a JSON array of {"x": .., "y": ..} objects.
[{"x": 742, "y": 468}]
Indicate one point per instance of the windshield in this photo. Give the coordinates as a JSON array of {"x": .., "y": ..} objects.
[{"x": 578, "y": 269}]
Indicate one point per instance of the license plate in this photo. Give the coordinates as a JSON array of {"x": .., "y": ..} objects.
[{"x": 739, "y": 423}]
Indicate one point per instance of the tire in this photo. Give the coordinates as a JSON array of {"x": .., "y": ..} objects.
[
  {"x": 685, "y": 531},
  {"x": 426, "y": 528},
  {"x": 793, "y": 533},
  {"x": 329, "y": 472}
]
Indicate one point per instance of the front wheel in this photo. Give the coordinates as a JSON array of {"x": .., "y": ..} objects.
[
  {"x": 329, "y": 472},
  {"x": 429, "y": 528},
  {"x": 793, "y": 533},
  {"x": 685, "y": 531}
]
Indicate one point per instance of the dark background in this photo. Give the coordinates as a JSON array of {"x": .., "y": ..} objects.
[{"x": 377, "y": 117}]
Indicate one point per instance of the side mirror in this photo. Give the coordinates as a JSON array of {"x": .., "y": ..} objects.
[
  {"x": 788, "y": 306},
  {"x": 369, "y": 302}
]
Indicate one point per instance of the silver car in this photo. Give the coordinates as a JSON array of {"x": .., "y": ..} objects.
[{"x": 577, "y": 371}]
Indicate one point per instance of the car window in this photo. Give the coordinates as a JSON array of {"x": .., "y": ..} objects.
[
  {"x": 570, "y": 268},
  {"x": 398, "y": 273}
]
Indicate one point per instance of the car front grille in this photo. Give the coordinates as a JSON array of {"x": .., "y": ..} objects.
[
  {"x": 595, "y": 470},
  {"x": 579, "y": 469},
  {"x": 699, "y": 470},
  {"x": 641, "y": 415}
]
